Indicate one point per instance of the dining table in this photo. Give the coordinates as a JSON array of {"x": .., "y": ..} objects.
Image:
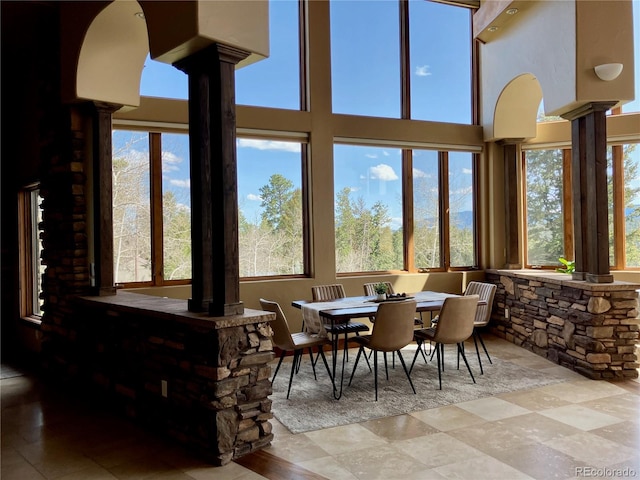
[{"x": 342, "y": 310}]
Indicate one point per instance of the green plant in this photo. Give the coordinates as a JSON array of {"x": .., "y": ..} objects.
[
  {"x": 569, "y": 266},
  {"x": 380, "y": 288}
]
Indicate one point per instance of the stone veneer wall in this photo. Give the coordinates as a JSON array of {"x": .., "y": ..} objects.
[
  {"x": 589, "y": 328},
  {"x": 215, "y": 368}
]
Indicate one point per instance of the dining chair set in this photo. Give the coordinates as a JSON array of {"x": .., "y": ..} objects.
[{"x": 394, "y": 327}]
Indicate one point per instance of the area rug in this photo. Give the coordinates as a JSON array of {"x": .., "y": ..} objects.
[{"x": 311, "y": 405}]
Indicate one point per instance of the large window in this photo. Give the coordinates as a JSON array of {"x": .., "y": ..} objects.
[
  {"x": 544, "y": 210},
  {"x": 440, "y": 72},
  {"x": 373, "y": 233},
  {"x": 31, "y": 266},
  {"x": 275, "y": 81},
  {"x": 151, "y": 208},
  {"x": 368, "y": 203},
  {"x": 548, "y": 206},
  {"x": 271, "y": 207},
  {"x": 365, "y": 58}
]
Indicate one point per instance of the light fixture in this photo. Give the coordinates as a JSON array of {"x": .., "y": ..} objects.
[
  {"x": 608, "y": 71},
  {"x": 139, "y": 15},
  {"x": 492, "y": 29},
  {"x": 512, "y": 11}
]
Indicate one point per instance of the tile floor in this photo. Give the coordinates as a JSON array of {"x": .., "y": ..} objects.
[{"x": 575, "y": 429}]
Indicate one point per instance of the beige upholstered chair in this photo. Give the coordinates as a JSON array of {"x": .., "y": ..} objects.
[
  {"x": 293, "y": 342},
  {"x": 486, "y": 292},
  {"x": 454, "y": 326},
  {"x": 392, "y": 331}
]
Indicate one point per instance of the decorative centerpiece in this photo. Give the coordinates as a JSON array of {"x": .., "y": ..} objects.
[{"x": 381, "y": 291}]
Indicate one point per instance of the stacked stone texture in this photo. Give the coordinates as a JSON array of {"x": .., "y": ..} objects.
[{"x": 592, "y": 331}]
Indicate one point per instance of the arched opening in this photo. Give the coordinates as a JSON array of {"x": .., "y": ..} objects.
[{"x": 516, "y": 110}]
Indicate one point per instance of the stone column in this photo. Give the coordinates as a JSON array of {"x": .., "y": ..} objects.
[
  {"x": 214, "y": 196},
  {"x": 589, "y": 186}
]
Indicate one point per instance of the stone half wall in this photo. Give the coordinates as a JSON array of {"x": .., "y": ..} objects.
[
  {"x": 587, "y": 327},
  {"x": 203, "y": 381}
]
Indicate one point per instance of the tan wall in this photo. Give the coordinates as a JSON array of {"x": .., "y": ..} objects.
[{"x": 559, "y": 42}]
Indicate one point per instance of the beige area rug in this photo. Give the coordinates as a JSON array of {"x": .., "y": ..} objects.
[{"x": 311, "y": 405}]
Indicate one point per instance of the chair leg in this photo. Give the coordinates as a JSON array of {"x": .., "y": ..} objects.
[
  {"x": 485, "y": 348},
  {"x": 418, "y": 350},
  {"x": 475, "y": 342},
  {"x": 404, "y": 367},
  {"x": 313, "y": 365},
  {"x": 461, "y": 350},
  {"x": 440, "y": 366},
  {"x": 386, "y": 368},
  {"x": 375, "y": 372},
  {"x": 296, "y": 356},
  {"x": 360, "y": 351},
  {"x": 284, "y": 352}
]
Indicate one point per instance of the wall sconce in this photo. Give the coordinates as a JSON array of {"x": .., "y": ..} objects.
[{"x": 608, "y": 71}]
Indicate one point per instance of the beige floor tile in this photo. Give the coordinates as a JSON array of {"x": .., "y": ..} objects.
[
  {"x": 593, "y": 449},
  {"x": 533, "y": 400},
  {"x": 626, "y": 433},
  {"x": 94, "y": 472},
  {"x": 346, "y": 438},
  {"x": 581, "y": 417},
  {"x": 230, "y": 471},
  {"x": 398, "y": 427},
  {"x": 625, "y": 406},
  {"x": 329, "y": 468},
  {"x": 448, "y": 418},
  {"x": 541, "y": 462},
  {"x": 582, "y": 390},
  {"x": 20, "y": 471},
  {"x": 437, "y": 449},
  {"x": 523, "y": 430},
  {"x": 481, "y": 468},
  {"x": 296, "y": 448},
  {"x": 493, "y": 408},
  {"x": 384, "y": 462}
]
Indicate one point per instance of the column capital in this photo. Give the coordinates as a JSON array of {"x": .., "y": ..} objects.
[
  {"x": 202, "y": 60},
  {"x": 588, "y": 108}
]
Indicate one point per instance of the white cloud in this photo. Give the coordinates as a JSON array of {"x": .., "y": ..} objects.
[
  {"x": 417, "y": 173},
  {"x": 467, "y": 171},
  {"x": 269, "y": 145},
  {"x": 253, "y": 197},
  {"x": 385, "y": 153},
  {"x": 423, "y": 71},
  {"x": 181, "y": 183},
  {"x": 170, "y": 162},
  {"x": 371, "y": 155},
  {"x": 383, "y": 172}
]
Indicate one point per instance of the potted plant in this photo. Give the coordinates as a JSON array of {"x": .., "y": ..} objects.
[
  {"x": 569, "y": 266},
  {"x": 381, "y": 290}
]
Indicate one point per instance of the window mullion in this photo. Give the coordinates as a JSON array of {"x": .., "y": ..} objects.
[
  {"x": 445, "y": 254},
  {"x": 619, "y": 227},
  {"x": 157, "y": 234},
  {"x": 408, "y": 209}
]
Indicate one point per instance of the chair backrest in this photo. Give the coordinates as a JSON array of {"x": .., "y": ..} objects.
[
  {"x": 369, "y": 288},
  {"x": 393, "y": 328},
  {"x": 456, "y": 319},
  {"x": 486, "y": 292},
  {"x": 281, "y": 332},
  {"x": 322, "y": 293}
]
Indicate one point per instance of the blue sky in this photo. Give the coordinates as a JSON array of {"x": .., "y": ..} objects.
[{"x": 364, "y": 44}]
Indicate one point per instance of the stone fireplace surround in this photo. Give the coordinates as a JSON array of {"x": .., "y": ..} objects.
[{"x": 591, "y": 328}]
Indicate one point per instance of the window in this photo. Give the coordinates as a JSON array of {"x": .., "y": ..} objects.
[
  {"x": 31, "y": 267},
  {"x": 275, "y": 81},
  {"x": 440, "y": 71},
  {"x": 372, "y": 231},
  {"x": 151, "y": 208},
  {"x": 368, "y": 204},
  {"x": 271, "y": 207},
  {"x": 365, "y": 58},
  {"x": 544, "y": 213},
  {"x": 549, "y": 231}
]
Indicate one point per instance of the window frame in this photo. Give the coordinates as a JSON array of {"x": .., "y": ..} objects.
[{"x": 29, "y": 259}]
